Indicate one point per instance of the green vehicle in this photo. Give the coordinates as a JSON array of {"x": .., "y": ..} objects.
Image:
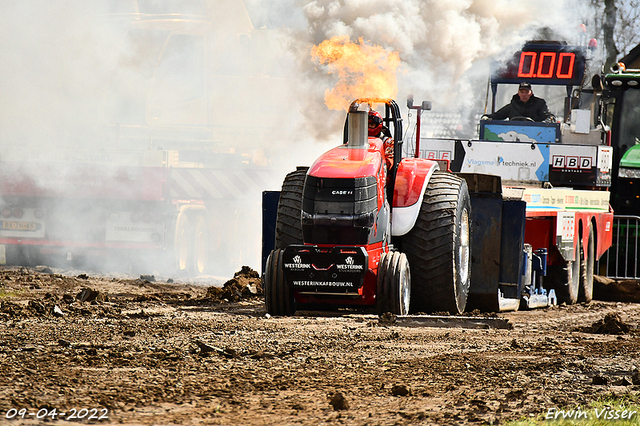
[
  {"x": 621, "y": 112},
  {"x": 620, "y": 103}
]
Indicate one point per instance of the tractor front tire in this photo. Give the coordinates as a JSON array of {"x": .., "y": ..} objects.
[
  {"x": 289, "y": 220},
  {"x": 200, "y": 246},
  {"x": 279, "y": 299},
  {"x": 438, "y": 247},
  {"x": 394, "y": 284},
  {"x": 182, "y": 245}
]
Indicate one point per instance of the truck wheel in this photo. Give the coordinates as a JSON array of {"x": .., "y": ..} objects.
[
  {"x": 586, "y": 270},
  {"x": 438, "y": 247},
  {"x": 200, "y": 246},
  {"x": 394, "y": 284},
  {"x": 288, "y": 222},
  {"x": 182, "y": 245},
  {"x": 565, "y": 279},
  {"x": 279, "y": 298}
]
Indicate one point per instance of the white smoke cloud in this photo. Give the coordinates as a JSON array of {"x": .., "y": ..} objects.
[
  {"x": 445, "y": 46},
  {"x": 51, "y": 61},
  {"x": 60, "y": 59},
  {"x": 81, "y": 84}
]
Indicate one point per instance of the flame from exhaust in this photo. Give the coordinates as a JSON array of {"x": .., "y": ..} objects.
[{"x": 364, "y": 71}]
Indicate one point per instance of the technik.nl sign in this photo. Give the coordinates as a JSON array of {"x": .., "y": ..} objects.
[{"x": 508, "y": 160}]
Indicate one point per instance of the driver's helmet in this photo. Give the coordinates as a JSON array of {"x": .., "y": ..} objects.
[{"x": 375, "y": 123}]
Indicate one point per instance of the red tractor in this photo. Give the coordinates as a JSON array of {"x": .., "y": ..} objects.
[{"x": 353, "y": 232}]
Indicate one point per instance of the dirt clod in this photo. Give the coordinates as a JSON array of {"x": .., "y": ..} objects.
[
  {"x": 610, "y": 324},
  {"x": 599, "y": 380},
  {"x": 87, "y": 295},
  {"x": 339, "y": 402},
  {"x": 387, "y": 318},
  {"x": 623, "y": 382},
  {"x": 399, "y": 390},
  {"x": 245, "y": 284}
]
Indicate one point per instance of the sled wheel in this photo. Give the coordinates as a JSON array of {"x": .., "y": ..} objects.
[
  {"x": 279, "y": 298},
  {"x": 289, "y": 222},
  {"x": 586, "y": 269},
  {"x": 438, "y": 247},
  {"x": 201, "y": 246},
  {"x": 565, "y": 279},
  {"x": 182, "y": 246},
  {"x": 394, "y": 284}
]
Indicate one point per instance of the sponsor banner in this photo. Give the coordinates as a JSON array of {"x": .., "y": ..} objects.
[
  {"x": 574, "y": 164},
  {"x": 348, "y": 265},
  {"x": 565, "y": 199},
  {"x": 434, "y": 149},
  {"x": 525, "y": 160},
  {"x": 28, "y": 226},
  {"x": 120, "y": 228},
  {"x": 311, "y": 266},
  {"x": 511, "y": 161},
  {"x": 605, "y": 162}
]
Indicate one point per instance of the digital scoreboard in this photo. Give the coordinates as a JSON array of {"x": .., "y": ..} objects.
[{"x": 553, "y": 64}]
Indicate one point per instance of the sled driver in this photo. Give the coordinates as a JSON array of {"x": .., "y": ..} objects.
[
  {"x": 378, "y": 130},
  {"x": 523, "y": 105}
]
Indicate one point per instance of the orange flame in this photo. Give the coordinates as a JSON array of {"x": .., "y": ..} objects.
[{"x": 364, "y": 71}]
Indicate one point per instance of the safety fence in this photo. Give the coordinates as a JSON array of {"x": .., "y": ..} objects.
[{"x": 621, "y": 260}]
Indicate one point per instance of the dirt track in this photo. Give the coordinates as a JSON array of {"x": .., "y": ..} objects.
[{"x": 146, "y": 352}]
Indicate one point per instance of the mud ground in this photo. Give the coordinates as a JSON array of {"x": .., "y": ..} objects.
[{"x": 146, "y": 351}]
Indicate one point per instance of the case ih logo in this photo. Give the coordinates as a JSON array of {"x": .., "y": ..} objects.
[
  {"x": 336, "y": 192},
  {"x": 571, "y": 162}
]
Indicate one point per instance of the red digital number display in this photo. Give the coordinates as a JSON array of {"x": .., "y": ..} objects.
[{"x": 543, "y": 65}]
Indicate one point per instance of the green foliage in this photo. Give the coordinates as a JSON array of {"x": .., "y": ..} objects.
[{"x": 6, "y": 294}]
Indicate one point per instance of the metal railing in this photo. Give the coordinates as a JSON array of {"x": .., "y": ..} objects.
[{"x": 621, "y": 260}]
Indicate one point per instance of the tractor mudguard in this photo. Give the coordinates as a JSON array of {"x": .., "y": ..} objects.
[{"x": 411, "y": 181}]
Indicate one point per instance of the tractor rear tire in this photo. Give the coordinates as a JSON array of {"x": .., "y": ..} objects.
[
  {"x": 279, "y": 299},
  {"x": 289, "y": 221},
  {"x": 394, "y": 284},
  {"x": 587, "y": 267},
  {"x": 438, "y": 247}
]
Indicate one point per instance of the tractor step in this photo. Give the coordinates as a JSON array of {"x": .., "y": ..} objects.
[{"x": 452, "y": 321}]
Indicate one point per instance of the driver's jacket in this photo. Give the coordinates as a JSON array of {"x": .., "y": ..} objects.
[{"x": 535, "y": 108}]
